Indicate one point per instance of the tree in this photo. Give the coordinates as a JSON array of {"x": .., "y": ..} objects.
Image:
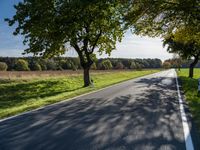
[
  {"x": 34, "y": 65},
  {"x": 106, "y": 64},
  {"x": 21, "y": 65},
  {"x": 63, "y": 64},
  {"x": 94, "y": 66},
  {"x": 185, "y": 42},
  {"x": 177, "y": 61},
  {"x": 133, "y": 65},
  {"x": 43, "y": 63},
  {"x": 166, "y": 65},
  {"x": 126, "y": 63},
  {"x": 3, "y": 66},
  {"x": 119, "y": 65},
  {"x": 138, "y": 66},
  {"x": 50, "y": 25},
  {"x": 160, "y": 17},
  {"x": 51, "y": 65},
  {"x": 145, "y": 63},
  {"x": 10, "y": 62},
  {"x": 74, "y": 67},
  {"x": 76, "y": 62}
]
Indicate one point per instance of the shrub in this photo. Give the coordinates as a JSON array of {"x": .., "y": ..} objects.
[
  {"x": 21, "y": 65},
  {"x": 3, "y": 66}
]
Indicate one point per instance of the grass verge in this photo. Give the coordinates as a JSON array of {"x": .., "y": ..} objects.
[
  {"x": 190, "y": 90},
  {"x": 17, "y": 96}
]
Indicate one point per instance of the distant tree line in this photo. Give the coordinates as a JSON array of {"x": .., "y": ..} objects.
[
  {"x": 179, "y": 63},
  {"x": 72, "y": 63}
]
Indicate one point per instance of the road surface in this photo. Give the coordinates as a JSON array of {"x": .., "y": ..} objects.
[{"x": 139, "y": 114}]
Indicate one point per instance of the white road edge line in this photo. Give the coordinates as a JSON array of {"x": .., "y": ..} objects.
[
  {"x": 68, "y": 99},
  {"x": 186, "y": 129}
]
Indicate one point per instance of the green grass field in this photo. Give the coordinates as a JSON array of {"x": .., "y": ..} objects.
[
  {"x": 20, "y": 95},
  {"x": 190, "y": 90}
]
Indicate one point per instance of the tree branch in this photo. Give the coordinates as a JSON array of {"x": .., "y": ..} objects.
[
  {"x": 95, "y": 43},
  {"x": 85, "y": 41},
  {"x": 167, "y": 2},
  {"x": 80, "y": 54}
]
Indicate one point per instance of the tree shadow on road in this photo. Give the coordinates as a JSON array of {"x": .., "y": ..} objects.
[{"x": 149, "y": 120}]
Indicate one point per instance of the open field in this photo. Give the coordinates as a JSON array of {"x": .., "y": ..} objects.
[
  {"x": 19, "y": 95},
  {"x": 190, "y": 90},
  {"x": 13, "y": 75}
]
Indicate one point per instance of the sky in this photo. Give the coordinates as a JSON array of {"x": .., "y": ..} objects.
[{"x": 132, "y": 46}]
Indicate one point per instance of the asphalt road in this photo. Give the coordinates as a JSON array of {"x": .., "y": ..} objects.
[{"x": 139, "y": 114}]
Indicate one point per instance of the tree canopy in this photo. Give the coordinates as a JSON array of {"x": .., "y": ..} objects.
[
  {"x": 51, "y": 26},
  {"x": 160, "y": 17},
  {"x": 185, "y": 41}
]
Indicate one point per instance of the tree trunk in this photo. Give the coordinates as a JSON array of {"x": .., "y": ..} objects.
[
  {"x": 86, "y": 77},
  {"x": 192, "y": 65},
  {"x": 191, "y": 71},
  {"x": 86, "y": 64}
]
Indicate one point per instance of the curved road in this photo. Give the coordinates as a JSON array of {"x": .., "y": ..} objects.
[{"x": 139, "y": 114}]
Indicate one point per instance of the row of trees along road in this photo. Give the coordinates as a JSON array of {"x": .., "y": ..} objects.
[
  {"x": 179, "y": 63},
  {"x": 52, "y": 26},
  {"x": 176, "y": 21}
]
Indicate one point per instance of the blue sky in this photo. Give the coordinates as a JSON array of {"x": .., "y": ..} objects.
[{"x": 131, "y": 46}]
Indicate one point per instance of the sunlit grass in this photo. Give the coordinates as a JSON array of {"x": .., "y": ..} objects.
[
  {"x": 18, "y": 96},
  {"x": 190, "y": 89}
]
